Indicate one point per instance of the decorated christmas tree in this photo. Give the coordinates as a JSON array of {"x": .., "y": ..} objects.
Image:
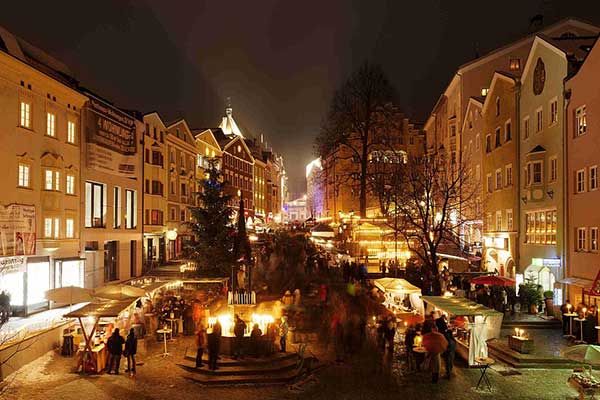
[{"x": 211, "y": 223}]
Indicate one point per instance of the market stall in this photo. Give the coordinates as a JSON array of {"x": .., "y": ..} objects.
[
  {"x": 400, "y": 296},
  {"x": 471, "y": 323},
  {"x": 97, "y": 322}
]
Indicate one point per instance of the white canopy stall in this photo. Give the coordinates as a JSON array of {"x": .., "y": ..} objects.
[
  {"x": 483, "y": 324},
  {"x": 395, "y": 289}
]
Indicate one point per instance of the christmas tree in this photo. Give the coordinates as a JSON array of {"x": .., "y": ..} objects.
[{"x": 211, "y": 223}]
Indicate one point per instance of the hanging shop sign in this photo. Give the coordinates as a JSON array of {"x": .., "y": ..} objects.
[
  {"x": 17, "y": 230},
  {"x": 10, "y": 265},
  {"x": 496, "y": 242},
  {"x": 111, "y": 139}
]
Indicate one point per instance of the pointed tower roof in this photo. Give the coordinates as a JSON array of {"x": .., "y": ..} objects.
[{"x": 228, "y": 125}]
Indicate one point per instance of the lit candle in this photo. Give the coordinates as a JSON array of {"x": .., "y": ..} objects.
[
  {"x": 569, "y": 307},
  {"x": 521, "y": 332},
  {"x": 517, "y": 331}
]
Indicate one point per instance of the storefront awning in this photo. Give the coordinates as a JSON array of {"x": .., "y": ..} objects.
[
  {"x": 396, "y": 285},
  {"x": 110, "y": 308},
  {"x": 579, "y": 282},
  {"x": 459, "y": 306}
]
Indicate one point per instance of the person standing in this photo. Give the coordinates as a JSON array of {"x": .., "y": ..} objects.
[
  {"x": 213, "y": 348},
  {"x": 238, "y": 330},
  {"x": 283, "y": 331},
  {"x": 435, "y": 343},
  {"x": 115, "y": 350},
  {"x": 255, "y": 341},
  {"x": 131, "y": 350},
  {"x": 565, "y": 309},
  {"x": 201, "y": 342},
  {"x": 450, "y": 353}
]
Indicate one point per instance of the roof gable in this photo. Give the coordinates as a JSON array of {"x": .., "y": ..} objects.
[
  {"x": 208, "y": 137},
  {"x": 182, "y": 124},
  {"x": 238, "y": 140},
  {"x": 497, "y": 77}
]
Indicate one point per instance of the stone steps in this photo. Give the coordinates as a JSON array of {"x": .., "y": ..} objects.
[
  {"x": 502, "y": 352},
  {"x": 532, "y": 324},
  {"x": 281, "y": 368}
]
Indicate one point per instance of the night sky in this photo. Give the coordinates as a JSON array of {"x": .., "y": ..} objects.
[{"x": 279, "y": 61}]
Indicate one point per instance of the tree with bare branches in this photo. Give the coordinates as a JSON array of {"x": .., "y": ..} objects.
[
  {"x": 432, "y": 203},
  {"x": 360, "y": 115}
]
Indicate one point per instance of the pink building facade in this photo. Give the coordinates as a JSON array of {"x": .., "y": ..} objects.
[{"x": 582, "y": 125}]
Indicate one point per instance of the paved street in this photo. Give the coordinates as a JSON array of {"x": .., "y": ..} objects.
[{"x": 51, "y": 377}]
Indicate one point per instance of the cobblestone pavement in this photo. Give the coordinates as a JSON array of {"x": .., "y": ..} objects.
[{"x": 51, "y": 377}]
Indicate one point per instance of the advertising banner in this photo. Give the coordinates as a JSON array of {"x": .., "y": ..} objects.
[
  {"x": 111, "y": 138},
  {"x": 17, "y": 230}
]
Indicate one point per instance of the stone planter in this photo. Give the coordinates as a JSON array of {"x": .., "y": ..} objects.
[{"x": 549, "y": 303}]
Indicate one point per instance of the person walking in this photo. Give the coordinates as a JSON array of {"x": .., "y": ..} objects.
[
  {"x": 435, "y": 343},
  {"x": 283, "y": 331},
  {"x": 131, "y": 350},
  {"x": 450, "y": 353},
  {"x": 239, "y": 329},
  {"x": 201, "y": 343},
  {"x": 114, "y": 345}
]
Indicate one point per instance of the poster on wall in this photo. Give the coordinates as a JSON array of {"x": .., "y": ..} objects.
[
  {"x": 17, "y": 230},
  {"x": 111, "y": 140}
]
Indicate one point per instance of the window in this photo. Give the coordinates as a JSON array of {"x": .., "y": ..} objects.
[
  {"x": 489, "y": 183},
  {"x": 509, "y": 177},
  {"x": 580, "y": 181},
  {"x": 130, "y": 209},
  {"x": 71, "y": 132},
  {"x": 52, "y": 180},
  {"x": 56, "y": 227},
  {"x": 581, "y": 244},
  {"x": 183, "y": 189},
  {"x": 507, "y": 131},
  {"x": 48, "y": 227},
  {"x": 539, "y": 116},
  {"x": 533, "y": 173},
  {"x": 183, "y": 215},
  {"x": 489, "y": 221},
  {"x": 51, "y": 124},
  {"x": 553, "y": 169},
  {"x": 157, "y": 187},
  {"x": 157, "y": 158},
  {"x": 498, "y": 221},
  {"x": 477, "y": 172},
  {"x": 514, "y": 64},
  {"x": 497, "y": 106},
  {"x": 580, "y": 121},
  {"x": 23, "y": 180},
  {"x": 540, "y": 227},
  {"x": 173, "y": 211},
  {"x": 484, "y": 91},
  {"x": 452, "y": 130},
  {"x": 95, "y": 205},
  {"x": 156, "y": 217},
  {"x": 553, "y": 112},
  {"x": 477, "y": 144},
  {"x": 70, "y": 184},
  {"x": 526, "y": 127},
  {"x": 594, "y": 177},
  {"x": 509, "y": 220},
  {"x": 488, "y": 143},
  {"x": 498, "y": 179},
  {"x": 498, "y": 143},
  {"x": 117, "y": 208},
  {"x": 25, "y": 114},
  {"x": 594, "y": 238},
  {"x": 70, "y": 228}
]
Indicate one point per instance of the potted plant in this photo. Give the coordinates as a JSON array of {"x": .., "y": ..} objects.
[
  {"x": 530, "y": 297},
  {"x": 549, "y": 302}
]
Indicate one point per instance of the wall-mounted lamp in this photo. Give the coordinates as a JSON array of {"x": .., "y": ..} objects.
[
  {"x": 524, "y": 199},
  {"x": 550, "y": 193}
]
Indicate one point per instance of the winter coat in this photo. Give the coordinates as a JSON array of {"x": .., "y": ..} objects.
[
  {"x": 115, "y": 344},
  {"x": 201, "y": 339},
  {"x": 239, "y": 328},
  {"x": 131, "y": 345}
]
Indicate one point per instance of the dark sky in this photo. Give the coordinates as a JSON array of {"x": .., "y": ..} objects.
[{"x": 278, "y": 60}]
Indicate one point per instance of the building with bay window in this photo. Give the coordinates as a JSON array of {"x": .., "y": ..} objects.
[
  {"x": 111, "y": 186},
  {"x": 182, "y": 156},
  {"x": 40, "y": 202}
]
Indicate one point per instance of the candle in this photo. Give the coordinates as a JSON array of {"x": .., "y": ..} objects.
[{"x": 517, "y": 331}]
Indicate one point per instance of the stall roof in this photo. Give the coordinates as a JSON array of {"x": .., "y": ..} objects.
[
  {"x": 459, "y": 306},
  {"x": 109, "y": 308},
  {"x": 581, "y": 282},
  {"x": 396, "y": 285}
]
